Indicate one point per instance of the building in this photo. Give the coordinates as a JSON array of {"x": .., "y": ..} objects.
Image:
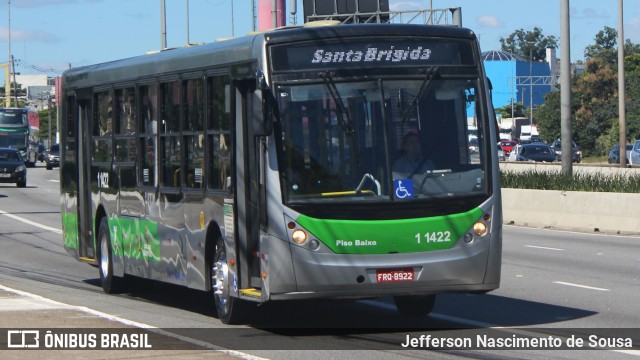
[
  {"x": 518, "y": 80},
  {"x": 38, "y": 90}
]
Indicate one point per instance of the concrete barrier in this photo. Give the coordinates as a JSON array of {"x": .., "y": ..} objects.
[{"x": 617, "y": 213}]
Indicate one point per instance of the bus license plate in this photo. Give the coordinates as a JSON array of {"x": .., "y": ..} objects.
[{"x": 394, "y": 275}]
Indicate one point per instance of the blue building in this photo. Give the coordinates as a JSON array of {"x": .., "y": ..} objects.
[{"x": 517, "y": 79}]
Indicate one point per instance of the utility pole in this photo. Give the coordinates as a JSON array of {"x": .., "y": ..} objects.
[
  {"x": 163, "y": 26},
  {"x": 531, "y": 87},
  {"x": 621, "y": 92},
  {"x": 8, "y": 80},
  {"x": 49, "y": 114},
  {"x": 15, "y": 92},
  {"x": 565, "y": 89}
]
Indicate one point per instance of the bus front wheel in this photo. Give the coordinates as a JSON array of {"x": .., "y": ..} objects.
[
  {"x": 110, "y": 283},
  {"x": 416, "y": 305},
  {"x": 230, "y": 309}
]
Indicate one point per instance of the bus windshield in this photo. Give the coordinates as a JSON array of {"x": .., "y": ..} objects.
[
  {"x": 13, "y": 118},
  {"x": 404, "y": 139}
]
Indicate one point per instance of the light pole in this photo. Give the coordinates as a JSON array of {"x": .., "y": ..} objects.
[
  {"x": 565, "y": 89},
  {"x": 621, "y": 91},
  {"x": 8, "y": 81},
  {"x": 163, "y": 26}
]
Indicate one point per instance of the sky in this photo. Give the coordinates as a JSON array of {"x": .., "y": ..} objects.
[{"x": 49, "y": 36}]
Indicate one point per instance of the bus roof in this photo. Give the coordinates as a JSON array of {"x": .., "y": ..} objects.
[{"x": 238, "y": 50}]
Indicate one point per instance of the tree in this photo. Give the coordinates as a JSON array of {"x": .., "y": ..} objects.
[
  {"x": 632, "y": 63},
  {"x": 594, "y": 98},
  {"x": 597, "y": 102},
  {"x": 605, "y": 46},
  {"x": 531, "y": 45},
  {"x": 548, "y": 117},
  {"x": 506, "y": 111}
]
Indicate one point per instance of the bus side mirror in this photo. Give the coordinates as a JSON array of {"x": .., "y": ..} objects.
[{"x": 261, "y": 118}]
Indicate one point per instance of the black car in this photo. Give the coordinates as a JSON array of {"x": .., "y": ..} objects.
[
  {"x": 614, "y": 154},
  {"x": 41, "y": 151},
  {"x": 12, "y": 167},
  {"x": 52, "y": 157},
  {"x": 576, "y": 154},
  {"x": 533, "y": 152}
]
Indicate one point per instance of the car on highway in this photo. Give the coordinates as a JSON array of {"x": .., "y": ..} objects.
[
  {"x": 576, "y": 154},
  {"x": 41, "y": 150},
  {"x": 507, "y": 146},
  {"x": 501, "y": 156},
  {"x": 12, "y": 167},
  {"x": 52, "y": 157},
  {"x": 634, "y": 156},
  {"x": 532, "y": 152},
  {"x": 614, "y": 154}
]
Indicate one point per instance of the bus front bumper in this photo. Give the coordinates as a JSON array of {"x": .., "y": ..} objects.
[{"x": 470, "y": 268}]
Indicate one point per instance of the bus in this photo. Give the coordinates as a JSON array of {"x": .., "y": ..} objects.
[
  {"x": 20, "y": 128},
  {"x": 261, "y": 168}
]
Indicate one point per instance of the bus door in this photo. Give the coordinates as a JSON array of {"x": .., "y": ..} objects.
[
  {"x": 85, "y": 229},
  {"x": 251, "y": 208}
]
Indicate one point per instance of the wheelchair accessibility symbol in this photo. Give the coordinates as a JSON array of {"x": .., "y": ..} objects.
[{"x": 403, "y": 188}]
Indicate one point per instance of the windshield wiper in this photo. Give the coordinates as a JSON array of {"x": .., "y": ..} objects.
[
  {"x": 429, "y": 75},
  {"x": 341, "y": 112}
]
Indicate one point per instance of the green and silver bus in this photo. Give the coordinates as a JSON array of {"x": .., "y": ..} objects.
[{"x": 262, "y": 168}]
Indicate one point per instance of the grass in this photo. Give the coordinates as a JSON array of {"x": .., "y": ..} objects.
[
  {"x": 595, "y": 159},
  {"x": 595, "y": 182}
]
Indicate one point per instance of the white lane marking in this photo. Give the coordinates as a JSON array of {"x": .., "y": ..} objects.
[
  {"x": 52, "y": 303},
  {"x": 543, "y": 248},
  {"x": 580, "y": 286},
  {"x": 19, "y": 304},
  {"x": 27, "y": 221}
]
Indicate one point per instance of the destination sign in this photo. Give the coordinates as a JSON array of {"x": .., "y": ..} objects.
[{"x": 412, "y": 52}]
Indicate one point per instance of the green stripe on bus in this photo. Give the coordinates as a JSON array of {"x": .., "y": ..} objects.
[
  {"x": 70, "y": 226},
  {"x": 391, "y": 236},
  {"x": 138, "y": 239}
]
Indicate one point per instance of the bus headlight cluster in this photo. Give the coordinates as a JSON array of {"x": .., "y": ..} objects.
[
  {"x": 480, "y": 228},
  {"x": 299, "y": 236}
]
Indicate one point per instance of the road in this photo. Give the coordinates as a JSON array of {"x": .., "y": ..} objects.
[{"x": 552, "y": 283}]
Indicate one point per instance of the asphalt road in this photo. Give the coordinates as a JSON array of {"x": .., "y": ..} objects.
[{"x": 552, "y": 283}]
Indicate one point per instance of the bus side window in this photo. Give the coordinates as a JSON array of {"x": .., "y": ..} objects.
[
  {"x": 219, "y": 136},
  {"x": 103, "y": 126},
  {"x": 193, "y": 125},
  {"x": 171, "y": 156},
  {"x": 147, "y": 130}
]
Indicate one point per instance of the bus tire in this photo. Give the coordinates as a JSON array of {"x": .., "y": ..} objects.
[
  {"x": 416, "y": 305},
  {"x": 110, "y": 284},
  {"x": 231, "y": 310}
]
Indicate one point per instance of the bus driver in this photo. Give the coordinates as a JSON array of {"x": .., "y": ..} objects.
[{"x": 412, "y": 161}]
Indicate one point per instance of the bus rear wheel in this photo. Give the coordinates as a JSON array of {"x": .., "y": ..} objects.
[
  {"x": 416, "y": 305},
  {"x": 110, "y": 283},
  {"x": 231, "y": 310}
]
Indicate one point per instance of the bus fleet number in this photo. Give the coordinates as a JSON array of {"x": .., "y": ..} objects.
[{"x": 436, "y": 236}]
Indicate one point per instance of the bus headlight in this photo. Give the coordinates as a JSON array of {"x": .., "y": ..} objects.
[
  {"x": 299, "y": 236},
  {"x": 480, "y": 228}
]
